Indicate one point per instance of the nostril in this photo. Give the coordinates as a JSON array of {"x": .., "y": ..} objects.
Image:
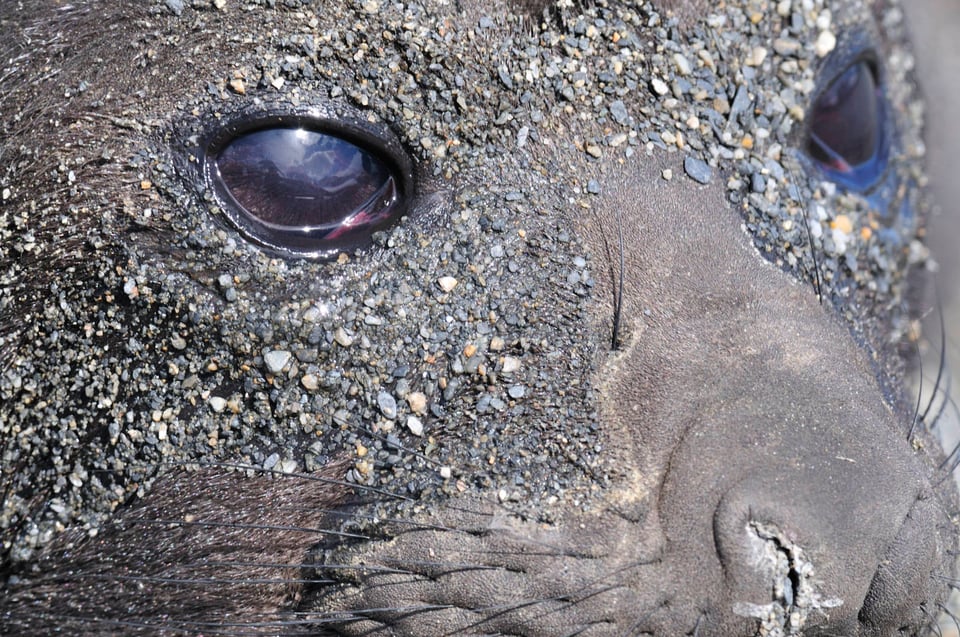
[
  {"x": 768, "y": 574},
  {"x": 904, "y": 578}
]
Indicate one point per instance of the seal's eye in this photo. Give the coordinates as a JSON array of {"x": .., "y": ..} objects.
[
  {"x": 303, "y": 192},
  {"x": 846, "y": 127}
]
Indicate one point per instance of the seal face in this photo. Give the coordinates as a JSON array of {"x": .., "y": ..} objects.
[{"x": 444, "y": 318}]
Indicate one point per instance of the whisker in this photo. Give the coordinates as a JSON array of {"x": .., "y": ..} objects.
[
  {"x": 916, "y": 409},
  {"x": 618, "y": 304},
  {"x": 805, "y": 215},
  {"x": 943, "y": 359},
  {"x": 946, "y": 610},
  {"x": 634, "y": 628},
  {"x": 932, "y": 620}
]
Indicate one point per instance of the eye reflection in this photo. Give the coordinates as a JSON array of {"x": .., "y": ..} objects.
[{"x": 306, "y": 191}]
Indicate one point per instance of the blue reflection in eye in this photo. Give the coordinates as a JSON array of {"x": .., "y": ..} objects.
[
  {"x": 846, "y": 131},
  {"x": 307, "y": 192}
]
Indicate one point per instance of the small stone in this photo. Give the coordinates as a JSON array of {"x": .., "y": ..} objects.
[
  {"x": 271, "y": 461},
  {"x": 517, "y": 391},
  {"x": 445, "y": 472},
  {"x": 826, "y": 42},
  {"x": 387, "y": 405},
  {"x": 757, "y": 55},
  {"x": 698, "y": 170},
  {"x": 447, "y": 283},
  {"x": 659, "y": 86},
  {"x": 276, "y": 360},
  {"x": 178, "y": 342},
  {"x": 415, "y": 425},
  {"x": 237, "y": 86},
  {"x": 786, "y": 46},
  {"x": 667, "y": 174},
  {"x": 619, "y": 112},
  {"x": 510, "y": 364},
  {"x": 683, "y": 64},
  {"x": 342, "y": 338},
  {"x": 843, "y": 224},
  {"x": 217, "y": 404},
  {"x": 417, "y": 402},
  {"x": 309, "y": 382}
]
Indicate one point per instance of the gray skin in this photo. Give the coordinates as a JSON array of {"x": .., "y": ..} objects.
[{"x": 203, "y": 436}]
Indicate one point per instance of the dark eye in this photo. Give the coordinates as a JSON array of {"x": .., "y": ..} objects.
[
  {"x": 304, "y": 192},
  {"x": 846, "y": 127}
]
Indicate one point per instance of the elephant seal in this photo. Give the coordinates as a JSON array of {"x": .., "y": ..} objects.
[{"x": 436, "y": 318}]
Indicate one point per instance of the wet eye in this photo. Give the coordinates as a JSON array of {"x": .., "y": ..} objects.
[
  {"x": 304, "y": 192},
  {"x": 846, "y": 128}
]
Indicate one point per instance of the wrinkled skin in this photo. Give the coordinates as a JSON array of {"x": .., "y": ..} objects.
[{"x": 203, "y": 435}]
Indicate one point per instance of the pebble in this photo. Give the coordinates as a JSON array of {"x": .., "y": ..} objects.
[
  {"x": 276, "y": 360},
  {"x": 826, "y": 42},
  {"x": 447, "y": 283},
  {"x": 757, "y": 56},
  {"x": 217, "y": 404},
  {"x": 387, "y": 405},
  {"x": 697, "y": 169},
  {"x": 271, "y": 461},
  {"x": 683, "y": 64},
  {"x": 417, "y": 402},
  {"x": 619, "y": 112},
  {"x": 341, "y": 337},
  {"x": 415, "y": 425}
]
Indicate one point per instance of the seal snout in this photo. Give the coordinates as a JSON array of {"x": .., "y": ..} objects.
[
  {"x": 906, "y": 575},
  {"x": 769, "y": 575},
  {"x": 783, "y": 565}
]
